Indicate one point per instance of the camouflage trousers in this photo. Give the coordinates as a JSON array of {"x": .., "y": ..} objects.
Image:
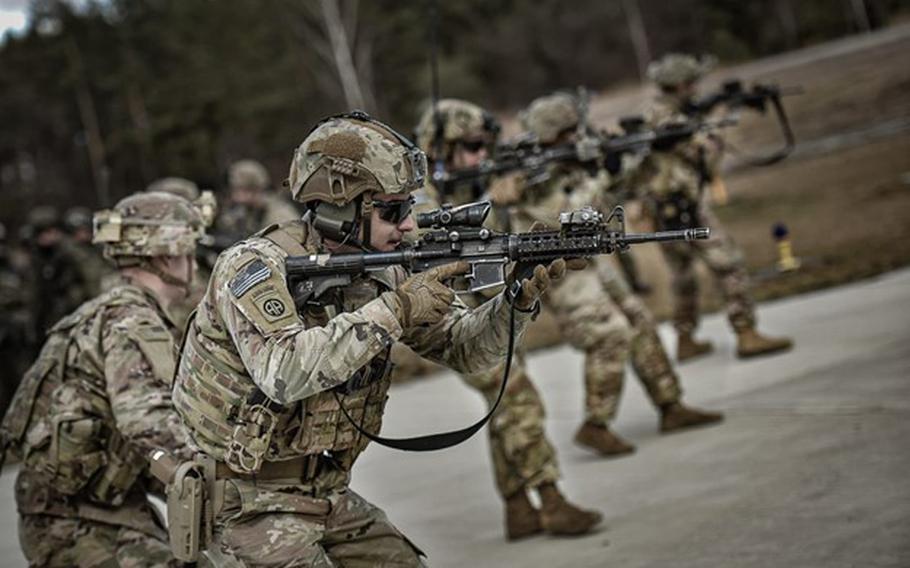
[
  {"x": 600, "y": 316},
  {"x": 53, "y": 542},
  {"x": 725, "y": 261},
  {"x": 522, "y": 455},
  {"x": 274, "y": 524}
]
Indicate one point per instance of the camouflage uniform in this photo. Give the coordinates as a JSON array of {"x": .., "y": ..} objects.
[
  {"x": 241, "y": 220},
  {"x": 14, "y": 325},
  {"x": 261, "y": 386},
  {"x": 674, "y": 181},
  {"x": 57, "y": 283},
  {"x": 97, "y": 401},
  {"x": 598, "y": 312}
]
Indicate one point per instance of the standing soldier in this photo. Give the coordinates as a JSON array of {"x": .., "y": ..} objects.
[
  {"x": 206, "y": 206},
  {"x": 93, "y": 267},
  {"x": 674, "y": 182},
  {"x": 595, "y": 308},
  {"x": 265, "y": 390},
  {"x": 97, "y": 400},
  {"x": 57, "y": 284},
  {"x": 251, "y": 205},
  {"x": 14, "y": 324},
  {"x": 457, "y": 134}
]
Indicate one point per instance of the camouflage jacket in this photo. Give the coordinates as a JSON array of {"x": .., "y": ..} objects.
[
  {"x": 121, "y": 345},
  {"x": 685, "y": 168},
  {"x": 248, "y": 338}
]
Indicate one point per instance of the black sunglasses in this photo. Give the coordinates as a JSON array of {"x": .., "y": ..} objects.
[
  {"x": 394, "y": 211},
  {"x": 473, "y": 146}
]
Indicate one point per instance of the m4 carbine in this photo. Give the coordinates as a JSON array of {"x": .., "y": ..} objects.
[
  {"x": 457, "y": 233},
  {"x": 529, "y": 156},
  {"x": 734, "y": 96}
]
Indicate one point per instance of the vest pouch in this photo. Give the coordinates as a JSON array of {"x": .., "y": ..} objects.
[
  {"x": 123, "y": 467},
  {"x": 251, "y": 438},
  {"x": 320, "y": 419},
  {"x": 75, "y": 454}
]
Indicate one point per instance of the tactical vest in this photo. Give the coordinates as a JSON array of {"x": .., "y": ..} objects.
[
  {"x": 60, "y": 422},
  {"x": 232, "y": 420}
]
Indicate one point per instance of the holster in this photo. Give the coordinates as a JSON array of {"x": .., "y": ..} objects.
[{"x": 192, "y": 501}]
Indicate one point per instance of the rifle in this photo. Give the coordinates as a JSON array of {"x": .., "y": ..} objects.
[
  {"x": 733, "y": 95},
  {"x": 528, "y": 155},
  {"x": 457, "y": 233}
]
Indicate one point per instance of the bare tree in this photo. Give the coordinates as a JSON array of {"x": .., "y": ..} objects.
[{"x": 638, "y": 36}]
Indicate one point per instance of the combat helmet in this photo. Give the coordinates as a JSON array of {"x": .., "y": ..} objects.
[
  {"x": 77, "y": 218},
  {"x": 146, "y": 225},
  {"x": 450, "y": 121},
  {"x": 43, "y": 217},
  {"x": 676, "y": 69},
  {"x": 248, "y": 174},
  {"x": 204, "y": 201},
  {"x": 548, "y": 117},
  {"x": 343, "y": 161}
]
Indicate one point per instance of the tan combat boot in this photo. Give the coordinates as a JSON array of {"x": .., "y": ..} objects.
[
  {"x": 750, "y": 343},
  {"x": 600, "y": 439},
  {"x": 688, "y": 347},
  {"x": 559, "y": 517},
  {"x": 522, "y": 519},
  {"x": 677, "y": 416}
]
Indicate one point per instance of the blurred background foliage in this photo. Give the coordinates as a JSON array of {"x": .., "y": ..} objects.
[{"x": 98, "y": 100}]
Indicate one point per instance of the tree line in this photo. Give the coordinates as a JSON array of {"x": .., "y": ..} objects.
[{"x": 98, "y": 100}]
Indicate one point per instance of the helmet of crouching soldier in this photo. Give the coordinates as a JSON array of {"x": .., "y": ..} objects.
[
  {"x": 203, "y": 200},
  {"x": 549, "y": 117},
  {"x": 342, "y": 163}
]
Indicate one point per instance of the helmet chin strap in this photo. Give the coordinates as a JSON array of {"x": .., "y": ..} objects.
[{"x": 169, "y": 278}]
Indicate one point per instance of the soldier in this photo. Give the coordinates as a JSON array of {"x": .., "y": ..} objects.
[
  {"x": 250, "y": 205},
  {"x": 596, "y": 309},
  {"x": 458, "y": 134},
  {"x": 14, "y": 325},
  {"x": 93, "y": 267},
  {"x": 97, "y": 400},
  {"x": 57, "y": 284},
  {"x": 205, "y": 204},
  {"x": 674, "y": 182},
  {"x": 265, "y": 390}
]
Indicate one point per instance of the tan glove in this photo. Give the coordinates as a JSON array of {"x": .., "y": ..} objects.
[
  {"x": 543, "y": 277},
  {"x": 423, "y": 298}
]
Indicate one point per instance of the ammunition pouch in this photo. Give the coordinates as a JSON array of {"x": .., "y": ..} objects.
[
  {"x": 252, "y": 435},
  {"x": 191, "y": 502}
]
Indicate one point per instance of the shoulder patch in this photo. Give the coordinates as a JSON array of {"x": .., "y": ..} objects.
[{"x": 254, "y": 273}]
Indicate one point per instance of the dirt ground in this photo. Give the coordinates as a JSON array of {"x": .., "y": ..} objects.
[{"x": 844, "y": 194}]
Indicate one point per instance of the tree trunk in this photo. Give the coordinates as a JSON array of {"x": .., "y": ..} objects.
[{"x": 638, "y": 36}]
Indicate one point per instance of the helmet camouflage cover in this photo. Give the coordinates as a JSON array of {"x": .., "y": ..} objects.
[
  {"x": 348, "y": 155},
  {"x": 460, "y": 120},
  {"x": 676, "y": 69},
  {"x": 546, "y": 117},
  {"x": 203, "y": 201},
  {"x": 148, "y": 224},
  {"x": 248, "y": 173}
]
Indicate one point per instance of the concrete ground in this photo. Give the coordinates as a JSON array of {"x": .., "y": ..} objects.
[{"x": 810, "y": 468}]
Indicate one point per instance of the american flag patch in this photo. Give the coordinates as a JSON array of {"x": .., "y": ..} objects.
[{"x": 254, "y": 273}]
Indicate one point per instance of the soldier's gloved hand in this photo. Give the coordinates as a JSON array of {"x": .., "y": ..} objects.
[
  {"x": 542, "y": 278},
  {"x": 424, "y": 298}
]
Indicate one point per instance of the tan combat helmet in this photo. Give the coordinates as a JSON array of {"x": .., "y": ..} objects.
[
  {"x": 453, "y": 120},
  {"x": 343, "y": 161},
  {"x": 204, "y": 201},
  {"x": 548, "y": 117},
  {"x": 676, "y": 69},
  {"x": 248, "y": 174},
  {"x": 146, "y": 225}
]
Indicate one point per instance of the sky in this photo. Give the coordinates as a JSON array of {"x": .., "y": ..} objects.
[{"x": 12, "y": 15}]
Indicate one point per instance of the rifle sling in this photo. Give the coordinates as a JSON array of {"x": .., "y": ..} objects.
[{"x": 442, "y": 440}]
